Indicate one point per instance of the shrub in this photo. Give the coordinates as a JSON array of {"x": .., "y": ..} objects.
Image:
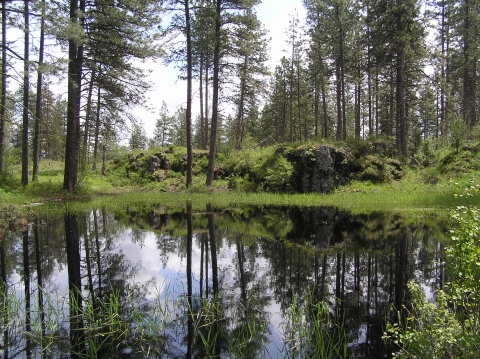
[
  {"x": 378, "y": 169},
  {"x": 449, "y": 326}
]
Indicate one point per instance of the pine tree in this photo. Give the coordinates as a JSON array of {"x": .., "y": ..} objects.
[
  {"x": 250, "y": 49},
  {"x": 163, "y": 127}
]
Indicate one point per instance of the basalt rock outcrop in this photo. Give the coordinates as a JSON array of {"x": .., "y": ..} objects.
[
  {"x": 306, "y": 169},
  {"x": 322, "y": 168}
]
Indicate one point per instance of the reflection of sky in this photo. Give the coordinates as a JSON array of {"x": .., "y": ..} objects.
[{"x": 165, "y": 275}]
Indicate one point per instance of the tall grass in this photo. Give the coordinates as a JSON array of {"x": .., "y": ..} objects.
[
  {"x": 123, "y": 326},
  {"x": 310, "y": 331}
]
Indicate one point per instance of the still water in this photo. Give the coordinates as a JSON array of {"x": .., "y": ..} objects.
[{"x": 165, "y": 282}]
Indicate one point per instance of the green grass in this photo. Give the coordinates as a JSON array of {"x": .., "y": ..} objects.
[
  {"x": 118, "y": 322},
  {"x": 428, "y": 188}
]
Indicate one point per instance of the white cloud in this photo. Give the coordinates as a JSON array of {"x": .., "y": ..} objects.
[{"x": 275, "y": 15}]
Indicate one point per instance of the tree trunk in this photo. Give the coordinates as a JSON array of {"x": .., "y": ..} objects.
[
  {"x": 315, "y": 102},
  {"x": 97, "y": 130},
  {"x": 104, "y": 160},
  {"x": 290, "y": 90},
  {"x": 88, "y": 116},
  {"x": 38, "y": 104},
  {"x": 188, "y": 120},
  {"x": 241, "y": 106},
  {"x": 442, "y": 74},
  {"x": 357, "y": 111},
  {"x": 71, "y": 140},
  {"x": 339, "y": 99},
  {"x": 299, "y": 109},
  {"x": 207, "y": 118},
  {"x": 202, "y": 119},
  {"x": 325, "y": 112},
  {"x": 376, "y": 101},
  {"x": 401, "y": 108},
  {"x": 216, "y": 68},
  {"x": 391, "y": 116},
  {"x": 26, "y": 99},
  {"x": 4, "y": 87}
]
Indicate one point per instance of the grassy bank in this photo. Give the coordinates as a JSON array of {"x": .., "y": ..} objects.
[{"x": 429, "y": 186}]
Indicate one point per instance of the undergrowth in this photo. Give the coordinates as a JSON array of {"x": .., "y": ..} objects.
[{"x": 448, "y": 326}]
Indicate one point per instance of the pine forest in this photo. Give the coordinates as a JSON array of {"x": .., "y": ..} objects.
[{"x": 73, "y": 75}]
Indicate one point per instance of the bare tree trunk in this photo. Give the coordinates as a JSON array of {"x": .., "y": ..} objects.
[
  {"x": 104, "y": 160},
  {"x": 315, "y": 102},
  {"x": 207, "y": 118},
  {"x": 216, "y": 69},
  {"x": 4, "y": 87},
  {"x": 376, "y": 101},
  {"x": 97, "y": 131},
  {"x": 38, "y": 104},
  {"x": 299, "y": 109},
  {"x": 401, "y": 110},
  {"x": 325, "y": 112},
  {"x": 26, "y": 97},
  {"x": 339, "y": 99},
  {"x": 74, "y": 78},
  {"x": 188, "y": 120},
  {"x": 344, "y": 104},
  {"x": 202, "y": 119},
  {"x": 88, "y": 116},
  {"x": 241, "y": 107},
  {"x": 357, "y": 111},
  {"x": 391, "y": 119}
]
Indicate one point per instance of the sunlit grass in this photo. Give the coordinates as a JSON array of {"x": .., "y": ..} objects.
[{"x": 420, "y": 190}]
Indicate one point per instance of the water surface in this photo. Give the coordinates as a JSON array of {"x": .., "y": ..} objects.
[{"x": 163, "y": 263}]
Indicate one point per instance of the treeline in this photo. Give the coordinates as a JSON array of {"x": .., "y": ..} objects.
[{"x": 404, "y": 69}]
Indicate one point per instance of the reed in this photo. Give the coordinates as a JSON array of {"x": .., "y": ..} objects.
[{"x": 122, "y": 326}]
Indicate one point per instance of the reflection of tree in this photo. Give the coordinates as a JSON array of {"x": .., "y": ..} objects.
[
  {"x": 189, "y": 281},
  {"x": 213, "y": 254},
  {"x": 213, "y": 248},
  {"x": 72, "y": 239},
  {"x": 27, "y": 298},
  {"x": 361, "y": 264},
  {"x": 362, "y": 278},
  {"x": 38, "y": 259},
  {"x": 248, "y": 311},
  {"x": 4, "y": 297}
]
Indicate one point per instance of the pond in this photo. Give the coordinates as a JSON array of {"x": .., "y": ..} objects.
[{"x": 245, "y": 281}]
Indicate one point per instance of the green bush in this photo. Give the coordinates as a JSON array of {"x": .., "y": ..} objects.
[
  {"x": 379, "y": 169},
  {"x": 279, "y": 175},
  {"x": 449, "y": 326}
]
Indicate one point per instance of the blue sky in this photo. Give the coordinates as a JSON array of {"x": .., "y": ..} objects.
[{"x": 275, "y": 15}]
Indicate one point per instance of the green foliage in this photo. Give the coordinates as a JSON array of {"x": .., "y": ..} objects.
[
  {"x": 459, "y": 131},
  {"x": 379, "y": 169},
  {"x": 279, "y": 175},
  {"x": 427, "y": 330},
  {"x": 462, "y": 160},
  {"x": 425, "y": 154},
  {"x": 449, "y": 326}
]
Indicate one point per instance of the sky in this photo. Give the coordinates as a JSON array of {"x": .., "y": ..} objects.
[{"x": 274, "y": 14}]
